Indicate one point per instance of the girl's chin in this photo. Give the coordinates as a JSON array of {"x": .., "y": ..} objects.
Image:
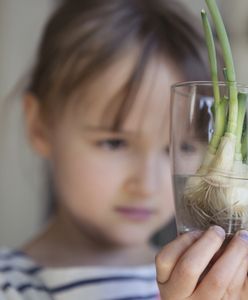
[
  {"x": 130, "y": 239},
  {"x": 130, "y": 235}
]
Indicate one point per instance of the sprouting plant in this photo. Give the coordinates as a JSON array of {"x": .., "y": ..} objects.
[{"x": 218, "y": 194}]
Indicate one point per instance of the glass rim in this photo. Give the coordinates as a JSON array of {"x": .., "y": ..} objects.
[{"x": 205, "y": 83}]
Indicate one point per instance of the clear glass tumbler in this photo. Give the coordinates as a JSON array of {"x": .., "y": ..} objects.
[{"x": 210, "y": 184}]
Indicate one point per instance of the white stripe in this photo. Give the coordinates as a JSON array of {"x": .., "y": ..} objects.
[
  {"x": 57, "y": 277},
  {"x": 109, "y": 291},
  {"x": 12, "y": 294},
  {"x": 6, "y": 259},
  {"x": 17, "y": 279},
  {"x": 63, "y": 276}
]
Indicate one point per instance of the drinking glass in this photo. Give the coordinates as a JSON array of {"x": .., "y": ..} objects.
[{"x": 201, "y": 199}]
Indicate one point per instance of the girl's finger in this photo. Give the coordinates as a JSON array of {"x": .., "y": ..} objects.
[
  {"x": 193, "y": 262},
  {"x": 167, "y": 258},
  {"x": 218, "y": 280},
  {"x": 245, "y": 290},
  {"x": 234, "y": 290}
]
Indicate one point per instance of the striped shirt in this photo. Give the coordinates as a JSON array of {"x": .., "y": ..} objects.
[{"x": 22, "y": 279}]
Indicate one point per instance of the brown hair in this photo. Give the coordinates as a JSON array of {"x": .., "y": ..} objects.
[{"x": 83, "y": 36}]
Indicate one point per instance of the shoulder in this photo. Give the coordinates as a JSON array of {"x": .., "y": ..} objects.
[
  {"x": 19, "y": 277},
  {"x": 22, "y": 279}
]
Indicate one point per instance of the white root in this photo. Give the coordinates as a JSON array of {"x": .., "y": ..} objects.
[{"x": 218, "y": 193}]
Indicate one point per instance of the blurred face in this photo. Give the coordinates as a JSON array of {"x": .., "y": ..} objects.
[{"x": 116, "y": 185}]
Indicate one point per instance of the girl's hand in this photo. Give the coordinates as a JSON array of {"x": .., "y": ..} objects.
[{"x": 181, "y": 263}]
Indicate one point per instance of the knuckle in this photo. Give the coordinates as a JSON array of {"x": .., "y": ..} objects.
[
  {"x": 162, "y": 268},
  {"x": 160, "y": 260},
  {"x": 163, "y": 258},
  {"x": 217, "y": 282},
  {"x": 230, "y": 292},
  {"x": 186, "y": 268},
  {"x": 234, "y": 293},
  {"x": 244, "y": 291}
]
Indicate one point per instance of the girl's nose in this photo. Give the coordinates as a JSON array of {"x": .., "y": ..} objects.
[{"x": 145, "y": 178}]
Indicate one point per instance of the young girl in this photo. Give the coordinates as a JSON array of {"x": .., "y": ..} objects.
[{"x": 97, "y": 109}]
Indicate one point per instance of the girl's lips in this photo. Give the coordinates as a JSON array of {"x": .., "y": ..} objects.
[{"x": 135, "y": 213}]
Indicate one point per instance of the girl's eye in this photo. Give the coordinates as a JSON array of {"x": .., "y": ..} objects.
[
  {"x": 112, "y": 144},
  {"x": 187, "y": 147}
]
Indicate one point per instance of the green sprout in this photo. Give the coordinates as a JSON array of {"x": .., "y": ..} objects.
[{"x": 218, "y": 194}]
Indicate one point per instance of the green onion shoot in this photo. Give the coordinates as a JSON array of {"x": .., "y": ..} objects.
[{"x": 218, "y": 194}]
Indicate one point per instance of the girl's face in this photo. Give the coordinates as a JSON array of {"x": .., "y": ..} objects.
[{"x": 116, "y": 186}]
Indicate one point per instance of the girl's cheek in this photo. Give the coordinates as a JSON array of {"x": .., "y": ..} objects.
[{"x": 92, "y": 173}]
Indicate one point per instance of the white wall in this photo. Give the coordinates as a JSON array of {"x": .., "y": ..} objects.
[
  {"x": 21, "y": 191},
  {"x": 236, "y": 17},
  {"x": 21, "y": 188},
  {"x": 235, "y": 14},
  {"x": 21, "y": 23}
]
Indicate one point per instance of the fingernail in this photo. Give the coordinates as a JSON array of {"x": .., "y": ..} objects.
[
  {"x": 219, "y": 230},
  {"x": 243, "y": 234}
]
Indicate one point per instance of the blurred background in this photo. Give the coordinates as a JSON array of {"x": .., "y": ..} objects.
[{"x": 23, "y": 207}]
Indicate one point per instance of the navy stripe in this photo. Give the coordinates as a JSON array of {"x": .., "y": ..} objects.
[
  {"x": 77, "y": 284},
  {"x": 97, "y": 280},
  {"x": 149, "y": 297},
  {"x": 23, "y": 287},
  {"x": 30, "y": 271},
  {"x": 12, "y": 254},
  {"x": 44, "y": 289},
  {"x": 5, "y": 286}
]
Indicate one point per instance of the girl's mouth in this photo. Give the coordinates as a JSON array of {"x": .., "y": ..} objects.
[{"x": 135, "y": 213}]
